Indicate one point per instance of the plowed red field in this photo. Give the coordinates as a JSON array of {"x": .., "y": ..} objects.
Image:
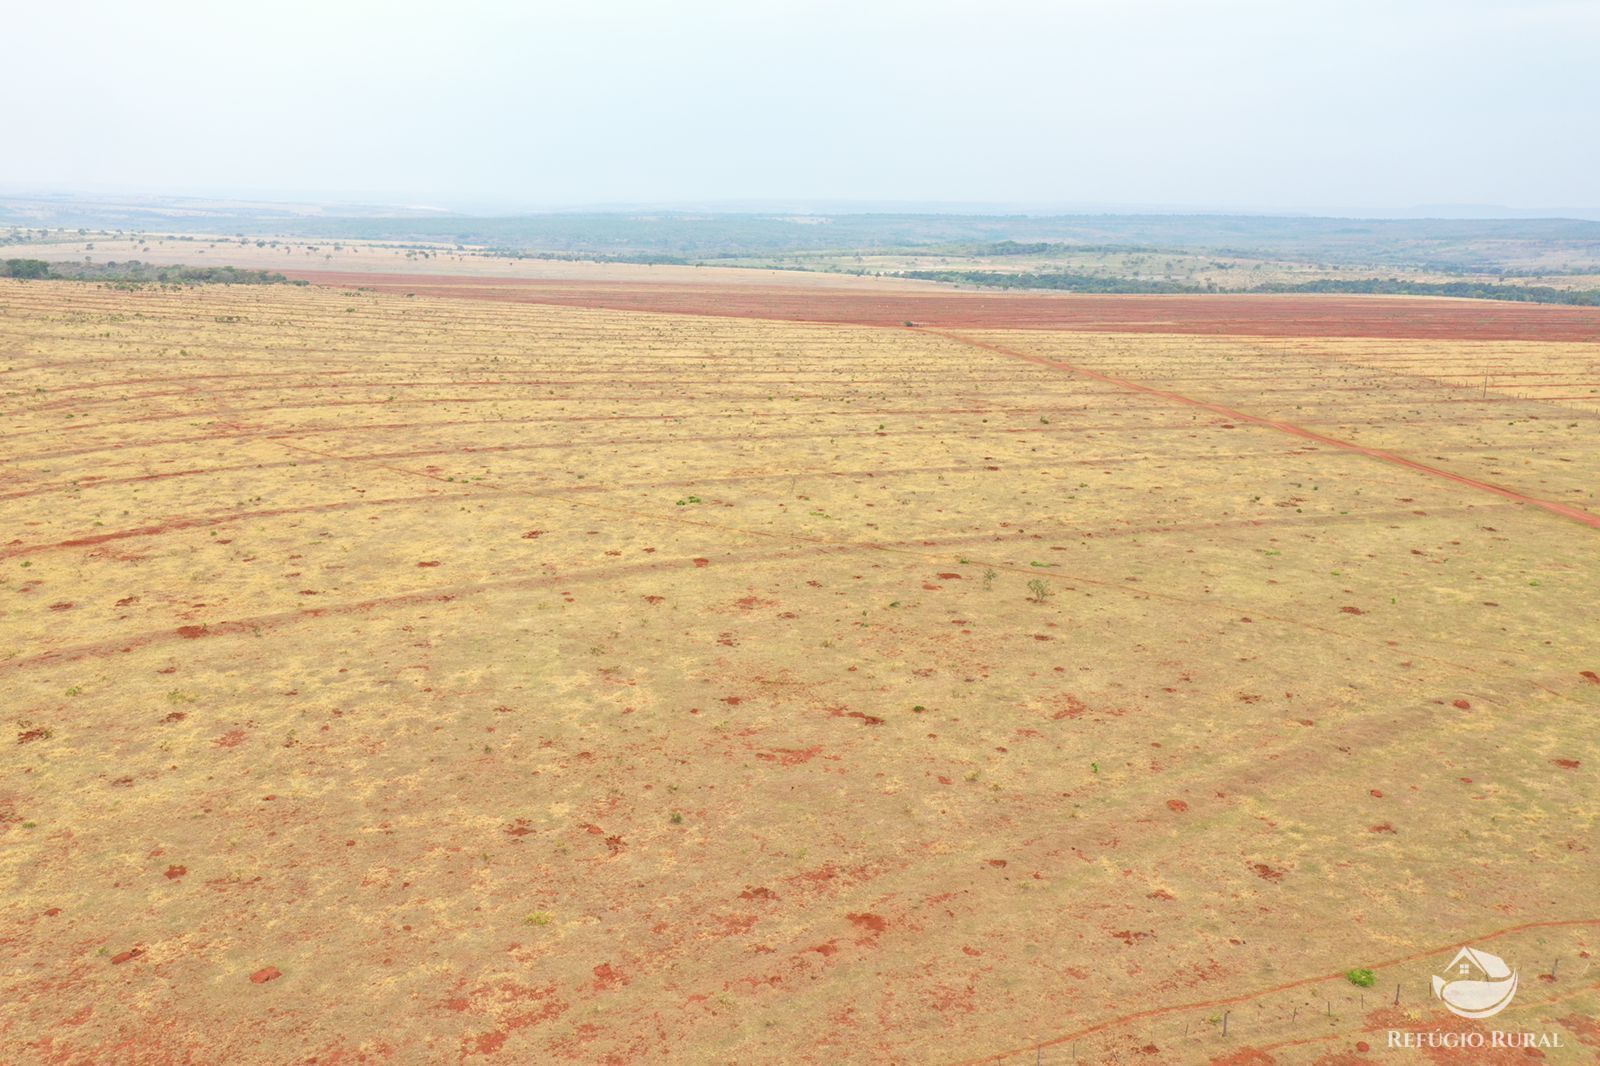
[{"x": 1248, "y": 316}]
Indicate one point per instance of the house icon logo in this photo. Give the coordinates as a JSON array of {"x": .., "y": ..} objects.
[{"x": 1476, "y": 984}]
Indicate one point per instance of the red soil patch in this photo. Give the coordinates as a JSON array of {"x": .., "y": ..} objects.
[
  {"x": 790, "y": 756},
  {"x": 871, "y": 922},
  {"x": 265, "y": 974},
  {"x": 1567, "y": 764},
  {"x": 126, "y": 956},
  {"x": 1266, "y": 873},
  {"x": 1258, "y": 316},
  {"x": 1177, "y": 805},
  {"x": 1073, "y": 708},
  {"x": 489, "y": 1043},
  {"x": 1587, "y": 1030},
  {"x": 605, "y": 976},
  {"x": 175, "y": 872}
]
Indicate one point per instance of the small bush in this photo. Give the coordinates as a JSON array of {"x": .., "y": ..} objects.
[{"x": 1362, "y": 978}]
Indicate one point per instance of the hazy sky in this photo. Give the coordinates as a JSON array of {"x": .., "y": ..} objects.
[{"x": 483, "y": 104}]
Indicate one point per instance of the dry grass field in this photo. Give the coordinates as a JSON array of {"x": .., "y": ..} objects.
[
  {"x": 313, "y": 256},
  {"x": 423, "y": 679}
]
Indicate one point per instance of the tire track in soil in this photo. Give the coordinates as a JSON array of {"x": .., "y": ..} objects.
[
  {"x": 817, "y": 545},
  {"x": 226, "y": 415},
  {"x": 96, "y": 482},
  {"x": 1246, "y": 997},
  {"x": 173, "y": 416},
  {"x": 1564, "y": 510},
  {"x": 808, "y": 546},
  {"x": 258, "y": 624},
  {"x": 234, "y": 431},
  {"x": 211, "y": 521},
  {"x": 238, "y": 431},
  {"x": 633, "y": 513}
]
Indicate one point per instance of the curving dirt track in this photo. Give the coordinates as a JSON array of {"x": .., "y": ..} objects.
[
  {"x": 423, "y": 679},
  {"x": 1565, "y": 510},
  {"x": 1233, "y": 315}
]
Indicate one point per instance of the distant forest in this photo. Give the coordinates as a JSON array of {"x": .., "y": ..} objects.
[
  {"x": 1459, "y": 246},
  {"x": 1149, "y": 253},
  {"x": 1067, "y": 282},
  {"x": 134, "y": 272},
  {"x": 1454, "y": 246}
]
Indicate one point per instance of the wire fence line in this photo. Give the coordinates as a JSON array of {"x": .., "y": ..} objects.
[{"x": 1331, "y": 1015}]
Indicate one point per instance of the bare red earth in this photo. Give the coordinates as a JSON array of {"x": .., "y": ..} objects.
[{"x": 1242, "y": 315}]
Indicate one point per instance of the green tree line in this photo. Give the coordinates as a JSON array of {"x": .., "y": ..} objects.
[{"x": 1069, "y": 282}]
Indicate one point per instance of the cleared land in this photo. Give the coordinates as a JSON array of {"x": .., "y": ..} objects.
[
  {"x": 420, "y": 678},
  {"x": 883, "y": 302}
]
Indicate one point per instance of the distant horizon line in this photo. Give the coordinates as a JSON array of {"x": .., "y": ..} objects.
[{"x": 328, "y": 203}]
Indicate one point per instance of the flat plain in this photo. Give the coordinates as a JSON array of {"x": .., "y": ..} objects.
[{"x": 458, "y": 676}]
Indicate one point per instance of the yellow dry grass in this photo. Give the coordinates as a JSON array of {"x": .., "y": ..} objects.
[
  {"x": 423, "y": 259},
  {"x": 425, "y": 680}
]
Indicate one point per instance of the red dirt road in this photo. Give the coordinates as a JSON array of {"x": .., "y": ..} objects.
[
  {"x": 1577, "y": 514},
  {"x": 1258, "y": 316}
]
